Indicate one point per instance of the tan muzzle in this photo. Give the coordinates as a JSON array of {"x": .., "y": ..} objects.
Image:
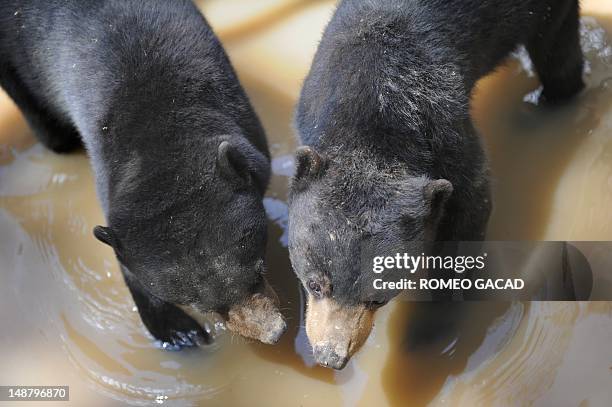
[
  {"x": 258, "y": 317},
  {"x": 336, "y": 331}
]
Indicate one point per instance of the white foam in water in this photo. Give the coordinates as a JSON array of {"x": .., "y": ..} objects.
[
  {"x": 594, "y": 42},
  {"x": 534, "y": 96},
  {"x": 522, "y": 56}
]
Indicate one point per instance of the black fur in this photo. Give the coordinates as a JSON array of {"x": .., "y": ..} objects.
[
  {"x": 180, "y": 159},
  {"x": 384, "y": 112}
]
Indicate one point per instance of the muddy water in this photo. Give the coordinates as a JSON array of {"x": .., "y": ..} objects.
[{"x": 67, "y": 318}]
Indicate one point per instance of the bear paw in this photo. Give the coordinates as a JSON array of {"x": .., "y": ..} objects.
[{"x": 174, "y": 329}]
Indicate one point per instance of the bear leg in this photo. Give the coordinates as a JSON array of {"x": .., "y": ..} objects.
[
  {"x": 167, "y": 322},
  {"x": 55, "y": 134},
  {"x": 556, "y": 54}
]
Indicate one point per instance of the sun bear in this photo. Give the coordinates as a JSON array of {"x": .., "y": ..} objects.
[
  {"x": 179, "y": 157},
  {"x": 389, "y": 156}
]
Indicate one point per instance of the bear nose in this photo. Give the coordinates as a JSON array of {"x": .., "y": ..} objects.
[
  {"x": 274, "y": 332},
  {"x": 325, "y": 355}
]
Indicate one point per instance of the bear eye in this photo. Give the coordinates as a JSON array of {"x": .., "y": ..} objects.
[{"x": 314, "y": 287}]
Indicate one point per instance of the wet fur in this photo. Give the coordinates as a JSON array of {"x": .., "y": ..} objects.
[{"x": 148, "y": 89}]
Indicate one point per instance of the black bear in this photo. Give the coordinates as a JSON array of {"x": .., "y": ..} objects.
[
  {"x": 179, "y": 157},
  {"x": 390, "y": 157}
]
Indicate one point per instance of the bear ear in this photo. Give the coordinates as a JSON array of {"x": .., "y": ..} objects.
[
  {"x": 437, "y": 193},
  {"x": 244, "y": 162},
  {"x": 308, "y": 163},
  {"x": 105, "y": 235}
]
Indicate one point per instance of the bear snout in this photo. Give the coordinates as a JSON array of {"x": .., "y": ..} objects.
[
  {"x": 336, "y": 331},
  {"x": 275, "y": 329},
  {"x": 328, "y": 356},
  {"x": 258, "y": 317}
]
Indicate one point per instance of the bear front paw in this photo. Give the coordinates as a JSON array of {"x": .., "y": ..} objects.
[
  {"x": 174, "y": 329},
  {"x": 177, "y": 340}
]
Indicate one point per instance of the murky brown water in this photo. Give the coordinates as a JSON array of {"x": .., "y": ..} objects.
[{"x": 67, "y": 318}]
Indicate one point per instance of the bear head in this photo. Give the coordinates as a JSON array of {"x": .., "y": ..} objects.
[
  {"x": 196, "y": 238},
  {"x": 341, "y": 214}
]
